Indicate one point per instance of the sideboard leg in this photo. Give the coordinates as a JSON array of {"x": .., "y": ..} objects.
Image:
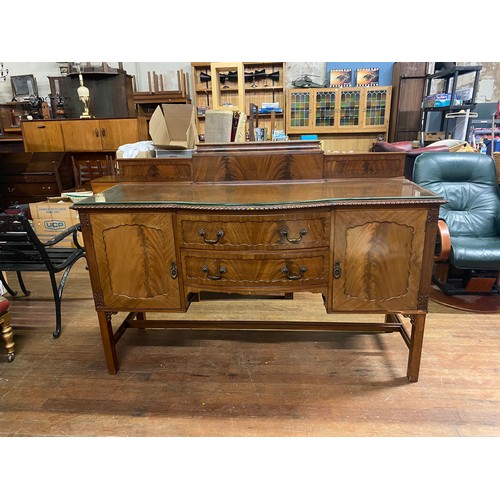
[
  {"x": 108, "y": 342},
  {"x": 416, "y": 342}
]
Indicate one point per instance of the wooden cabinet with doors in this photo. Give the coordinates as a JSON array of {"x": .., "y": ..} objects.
[
  {"x": 264, "y": 82},
  {"x": 83, "y": 135},
  {"x": 111, "y": 93},
  {"x": 338, "y": 110}
]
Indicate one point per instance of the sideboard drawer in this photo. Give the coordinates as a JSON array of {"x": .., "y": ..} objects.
[
  {"x": 262, "y": 232},
  {"x": 237, "y": 270}
]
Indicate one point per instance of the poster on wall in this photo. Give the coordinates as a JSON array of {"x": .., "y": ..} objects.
[
  {"x": 367, "y": 77},
  {"x": 340, "y": 77}
]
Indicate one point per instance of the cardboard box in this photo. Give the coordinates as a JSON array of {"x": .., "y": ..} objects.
[
  {"x": 173, "y": 126},
  {"x": 57, "y": 207},
  {"x": 53, "y": 216}
]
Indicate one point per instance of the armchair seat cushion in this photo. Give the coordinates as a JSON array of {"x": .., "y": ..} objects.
[{"x": 475, "y": 253}]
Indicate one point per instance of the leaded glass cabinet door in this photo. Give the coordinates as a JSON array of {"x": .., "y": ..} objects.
[
  {"x": 324, "y": 110},
  {"x": 377, "y": 108},
  {"x": 300, "y": 103},
  {"x": 349, "y": 109}
]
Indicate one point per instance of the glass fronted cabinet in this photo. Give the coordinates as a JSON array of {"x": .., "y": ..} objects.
[{"x": 330, "y": 110}]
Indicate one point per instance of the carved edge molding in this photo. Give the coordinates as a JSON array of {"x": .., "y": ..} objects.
[{"x": 279, "y": 206}]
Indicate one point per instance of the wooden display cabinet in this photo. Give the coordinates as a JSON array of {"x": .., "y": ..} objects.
[
  {"x": 264, "y": 82},
  {"x": 337, "y": 110}
]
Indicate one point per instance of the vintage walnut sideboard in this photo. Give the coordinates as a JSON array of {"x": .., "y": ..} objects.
[{"x": 365, "y": 246}]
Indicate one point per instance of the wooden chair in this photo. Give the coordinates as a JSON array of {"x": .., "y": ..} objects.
[
  {"x": 21, "y": 251},
  {"x": 86, "y": 170},
  {"x": 6, "y": 329}
]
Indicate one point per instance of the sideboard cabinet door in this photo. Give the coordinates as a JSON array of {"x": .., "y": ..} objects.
[
  {"x": 135, "y": 254},
  {"x": 377, "y": 259},
  {"x": 42, "y": 136},
  {"x": 115, "y": 133},
  {"x": 82, "y": 135}
]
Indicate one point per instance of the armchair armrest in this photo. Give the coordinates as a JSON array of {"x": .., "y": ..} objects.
[
  {"x": 67, "y": 232},
  {"x": 443, "y": 242}
]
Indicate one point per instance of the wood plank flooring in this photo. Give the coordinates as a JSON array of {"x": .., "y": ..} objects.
[{"x": 185, "y": 383}]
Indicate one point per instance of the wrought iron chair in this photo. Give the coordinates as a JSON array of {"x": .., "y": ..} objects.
[
  {"x": 6, "y": 329},
  {"x": 467, "y": 258},
  {"x": 21, "y": 251}
]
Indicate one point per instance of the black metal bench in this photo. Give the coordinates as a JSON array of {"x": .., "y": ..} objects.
[{"x": 21, "y": 251}]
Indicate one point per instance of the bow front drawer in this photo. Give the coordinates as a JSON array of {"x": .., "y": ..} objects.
[{"x": 259, "y": 232}]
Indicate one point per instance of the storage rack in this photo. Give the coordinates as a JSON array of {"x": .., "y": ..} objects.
[{"x": 450, "y": 76}]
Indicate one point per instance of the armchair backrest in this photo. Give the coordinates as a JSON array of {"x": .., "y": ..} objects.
[{"x": 468, "y": 182}]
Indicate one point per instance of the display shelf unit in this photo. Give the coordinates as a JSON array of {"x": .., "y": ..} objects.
[
  {"x": 449, "y": 79},
  {"x": 330, "y": 110},
  {"x": 263, "y": 82}
]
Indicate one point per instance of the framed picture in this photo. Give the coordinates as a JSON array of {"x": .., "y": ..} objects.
[
  {"x": 340, "y": 77},
  {"x": 367, "y": 77},
  {"x": 23, "y": 86}
]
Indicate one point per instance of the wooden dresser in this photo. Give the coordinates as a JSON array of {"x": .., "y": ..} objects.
[
  {"x": 366, "y": 247},
  {"x": 32, "y": 177}
]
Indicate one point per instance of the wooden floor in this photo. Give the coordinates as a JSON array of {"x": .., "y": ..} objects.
[{"x": 185, "y": 383}]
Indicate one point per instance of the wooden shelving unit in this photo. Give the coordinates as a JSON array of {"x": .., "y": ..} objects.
[{"x": 263, "y": 82}]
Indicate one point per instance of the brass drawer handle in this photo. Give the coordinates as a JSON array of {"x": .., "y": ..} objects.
[
  {"x": 40, "y": 126},
  {"x": 302, "y": 269},
  {"x": 103, "y": 132},
  {"x": 218, "y": 276},
  {"x": 302, "y": 233},
  {"x": 219, "y": 235},
  {"x": 96, "y": 132}
]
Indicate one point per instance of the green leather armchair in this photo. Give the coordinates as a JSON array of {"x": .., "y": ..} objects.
[{"x": 467, "y": 258}]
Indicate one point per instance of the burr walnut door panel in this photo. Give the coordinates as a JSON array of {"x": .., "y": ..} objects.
[
  {"x": 377, "y": 259},
  {"x": 135, "y": 256}
]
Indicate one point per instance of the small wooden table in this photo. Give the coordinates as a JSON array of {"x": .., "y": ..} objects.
[{"x": 367, "y": 247}]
